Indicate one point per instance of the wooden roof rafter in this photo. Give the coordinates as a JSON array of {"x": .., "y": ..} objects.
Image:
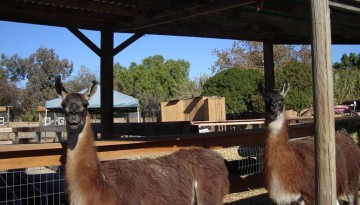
[
  {"x": 190, "y": 13},
  {"x": 93, "y": 6},
  {"x": 279, "y": 21}
]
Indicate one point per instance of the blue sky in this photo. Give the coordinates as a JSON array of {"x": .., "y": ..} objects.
[{"x": 25, "y": 39}]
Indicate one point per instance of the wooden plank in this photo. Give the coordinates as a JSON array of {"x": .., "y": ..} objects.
[
  {"x": 155, "y": 128},
  {"x": 85, "y": 40},
  {"x": 323, "y": 104},
  {"x": 172, "y": 111},
  {"x": 22, "y": 156},
  {"x": 30, "y": 155},
  {"x": 344, "y": 7},
  {"x": 190, "y": 13},
  {"x": 7, "y": 142},
  {"x": 165, "y": 128},
  {"x": 28, "y": 162},
  {"x": 6, "y": 129},
  {"x": 127, "y": 42}
]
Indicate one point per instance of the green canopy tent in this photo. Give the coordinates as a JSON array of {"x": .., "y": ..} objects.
[{"x": 122, "y": 103}]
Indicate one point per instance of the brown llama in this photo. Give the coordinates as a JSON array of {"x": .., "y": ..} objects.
[
  {"x": 189, "y": 176},
  {"x": 289, "y": 166}
]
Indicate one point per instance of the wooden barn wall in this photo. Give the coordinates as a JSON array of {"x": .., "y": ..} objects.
[
  {"x": 216, "y": 110},
  {"x": 194, "y": 109}
]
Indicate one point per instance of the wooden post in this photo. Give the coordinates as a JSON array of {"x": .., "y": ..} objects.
[
  {"x": 107, "y": 84},
  {"x": 268, "y": 50},
  {"x": 16, "y": 137},
  {"x": 106, "y": 54},
  {"x": 323, "y": 103}
]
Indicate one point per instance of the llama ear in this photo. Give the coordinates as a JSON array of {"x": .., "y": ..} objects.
[
  {"x": 91, "y": 91},
  {"x": 261, "y": 88},
  {"x": 60, "y": 90},
  {"x": 285, "y": 88}
]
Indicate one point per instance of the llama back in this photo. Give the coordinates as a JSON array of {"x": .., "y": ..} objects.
[
  {"x": 211, "y": 175},
  {"x": 351, "y": 152},
  {"x": 303, "y": 162},
  {"x": 170, "y": 179},
  {"x": 306, "y": 146}
]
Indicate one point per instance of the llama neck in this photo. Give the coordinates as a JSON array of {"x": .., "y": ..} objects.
[
  {"x": 279, "y": 156},
  {"x": 82, "y": 165},
  {"x": 278, "y": 129}
]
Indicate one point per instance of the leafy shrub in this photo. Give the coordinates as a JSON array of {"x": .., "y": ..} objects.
[{"x": 239, "y": 87}]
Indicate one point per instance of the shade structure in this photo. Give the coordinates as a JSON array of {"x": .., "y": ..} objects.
[{"x": 122, "y": 103}]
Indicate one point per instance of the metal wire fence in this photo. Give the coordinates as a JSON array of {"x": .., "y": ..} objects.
[
  {"x": 243, "y": 160},
  {"x": 38, "y": 186},
  {"x": 252, "y": 162}
]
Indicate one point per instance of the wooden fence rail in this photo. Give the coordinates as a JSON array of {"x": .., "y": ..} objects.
[
  {"x": 36, "y": 155},
  {"x": 33, "y": 155}
]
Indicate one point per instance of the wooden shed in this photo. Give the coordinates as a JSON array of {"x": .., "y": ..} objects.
[{"x": 205, "y": 108}]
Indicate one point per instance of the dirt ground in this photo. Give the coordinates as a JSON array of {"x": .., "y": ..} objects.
[{"x": 251, "y": 197}]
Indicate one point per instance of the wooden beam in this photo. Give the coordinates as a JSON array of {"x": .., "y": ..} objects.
[
  {"x": 323, "y": 103},
  {"x": 190, "y": 13},
  {"x": 95, "y": 6},
  {"x": 34, "y": 155},
  {"x": 336, "y": 5},
  {"x": 268, "y": 49},
  {"x": 85, "y": 40},
  {"x": 107, "y": 84},
  {"x": 126, "y": 43}
]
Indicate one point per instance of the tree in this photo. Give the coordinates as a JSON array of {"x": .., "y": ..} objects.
[
  {"x": 348, "y": 62},
  {"x": 81, "y": 80},
  {"x": 299, "y": 75},
  {"x": 347, "y": 78},
  {"x": 38, "y": 71},
  {"x": 9, "y": 93},
  {"x": 239, "y": 87},
  {"x": 155, "y": 80},
  {"x": 249, "y": 55},
  {"x": 346, "y": 84}
]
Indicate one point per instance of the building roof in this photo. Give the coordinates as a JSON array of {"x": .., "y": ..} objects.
[{"x": 276, "y": 21}]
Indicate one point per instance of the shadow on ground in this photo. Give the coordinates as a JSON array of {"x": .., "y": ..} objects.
[{"x": 261, "y": 199}]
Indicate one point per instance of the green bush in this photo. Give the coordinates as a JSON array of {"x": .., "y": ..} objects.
[
  {"x": 30, "y": 116},
  {"x": 299, "y": 75},
  {"x": 239, "y": 87}
]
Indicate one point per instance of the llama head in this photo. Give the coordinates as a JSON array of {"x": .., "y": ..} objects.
[
  {"x": 274, "y": 102},
  {"x": 74, "y": 105}
]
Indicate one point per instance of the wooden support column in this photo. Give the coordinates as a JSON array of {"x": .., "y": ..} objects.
[
  {"x": 106, "y": 54},
  {"x": 107, "y": 84},
  {"x": 268, "y": 49},
  {"x": 323, "y": 103}
]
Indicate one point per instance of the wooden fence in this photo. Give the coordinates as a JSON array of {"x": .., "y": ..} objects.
[{"x": 36, "y": 155}]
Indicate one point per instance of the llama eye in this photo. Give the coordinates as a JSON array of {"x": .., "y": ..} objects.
[{"x": 63, "y": 104}]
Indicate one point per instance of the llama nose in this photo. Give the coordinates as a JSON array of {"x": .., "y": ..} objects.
[
  {"x": 275, "y": 107},
  {"x": 74, "y": 119}
]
